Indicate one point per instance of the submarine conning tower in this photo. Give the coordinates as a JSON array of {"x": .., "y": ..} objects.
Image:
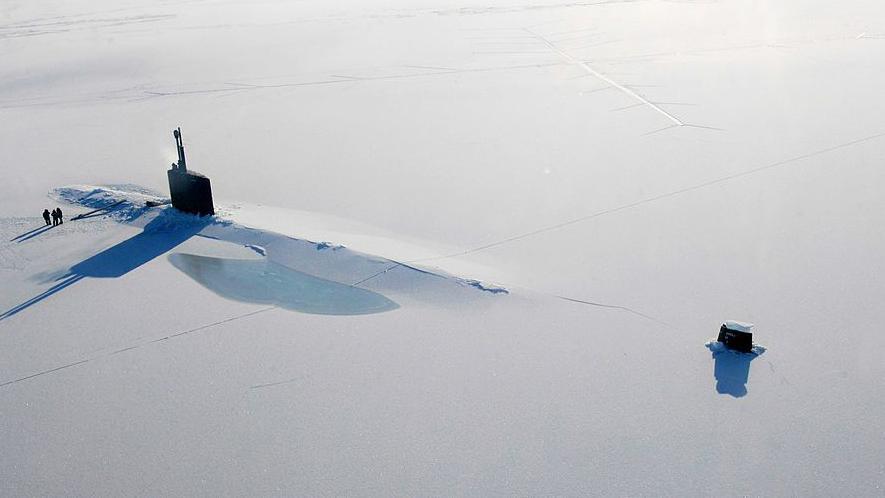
[{"x": 191, "y": 192}]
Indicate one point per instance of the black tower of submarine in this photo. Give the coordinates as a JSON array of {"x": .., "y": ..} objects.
[{"x": 190, "y": 191}]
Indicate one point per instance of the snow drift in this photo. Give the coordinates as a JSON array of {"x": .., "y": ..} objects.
[{"x": 292, "y": 272}]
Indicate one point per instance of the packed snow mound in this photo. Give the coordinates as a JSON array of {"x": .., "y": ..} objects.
[
  {"x": 717, "y": 347},
  {"x": 165, "y": 219},
  {"x": 739, "y": 326},
  {"x": 121, "y": 202},
  {"x": 321, "y": 246},
  {"x": 494, "y": 289},
  {"x": 326, "y": 260},
  {"x": 258, "y": 249}
]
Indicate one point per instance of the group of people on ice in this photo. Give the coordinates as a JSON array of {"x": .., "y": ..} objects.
[{"x": 56, "y": 216}]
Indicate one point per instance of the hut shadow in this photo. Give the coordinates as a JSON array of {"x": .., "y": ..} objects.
[
  {"x": 731, "y": 369},
  {"x": 163, "y": 233}
]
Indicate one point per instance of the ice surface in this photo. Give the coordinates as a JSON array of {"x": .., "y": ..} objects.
[{"x": 546, "y": 133}]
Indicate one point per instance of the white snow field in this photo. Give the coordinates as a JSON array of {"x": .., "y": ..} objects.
[{"x": 462, "y": 248}]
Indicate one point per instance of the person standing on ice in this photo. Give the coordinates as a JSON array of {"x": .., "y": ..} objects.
[
  {"x": 60, "y": 219},
  {"x": 54, "y": 217},
  {"x": 46, "y": 216}
]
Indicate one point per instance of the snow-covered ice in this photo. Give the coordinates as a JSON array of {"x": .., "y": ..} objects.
[
  {"x": 739, "y": 326},
  {"x": 717, "y": 347},
  {"x": 493, "y": 237}
]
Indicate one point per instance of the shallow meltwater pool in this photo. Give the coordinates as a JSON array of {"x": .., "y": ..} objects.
[{"x": 264, "y": 282}]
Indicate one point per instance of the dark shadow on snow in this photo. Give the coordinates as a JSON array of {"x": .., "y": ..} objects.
[
  {"x": 163, "y": 233},
  {"x": 265, "y": 282},
  {"x": 98, "y": 212},
  {"x": 31, "y": 234},
  {"x": 732, "y": 371}
]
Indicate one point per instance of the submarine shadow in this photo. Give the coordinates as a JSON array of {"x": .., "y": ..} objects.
[
  {"x": 162, "y": 234},
  {"x": 265, "y": 282}
]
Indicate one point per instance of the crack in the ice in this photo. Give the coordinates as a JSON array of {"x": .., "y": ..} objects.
[
  {"x": 135, "y": 346},
  {"x": 279, "y": 383},
  {"x": 616, "y": 307},
  {"x": 148, "y": 94},
  {"x": 56, "y": 369},
  {"x": 590, "y": 69},
  {"x": 648, "y": 200},
  {"x": 382, "y": 272}
]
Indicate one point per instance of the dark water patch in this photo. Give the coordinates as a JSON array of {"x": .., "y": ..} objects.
[{"x": 264, "y": 282}]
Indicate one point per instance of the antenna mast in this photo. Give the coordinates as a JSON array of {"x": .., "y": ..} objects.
[{"x": 179, "y": 143}]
